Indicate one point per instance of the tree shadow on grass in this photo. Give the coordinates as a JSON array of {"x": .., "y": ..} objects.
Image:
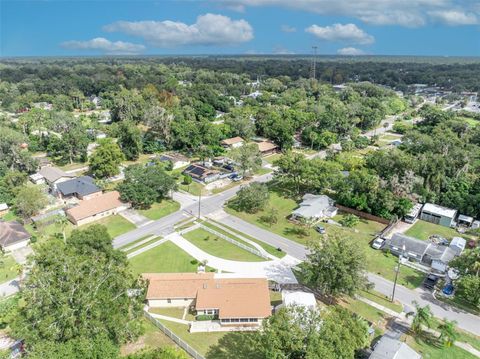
[{"x": 235, "y": 345}]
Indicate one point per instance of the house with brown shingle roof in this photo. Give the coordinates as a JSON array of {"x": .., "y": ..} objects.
[
  {"x": 230, "y": 301},
  {"x": 13, "y": 236},
  {"x": 267, "y": 148},
  {"x": 233, "y": 142},
  {"x": 96, "y": 208}
]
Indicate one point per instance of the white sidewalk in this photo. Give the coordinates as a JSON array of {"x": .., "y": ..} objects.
[{"x": 278, "y": 270}]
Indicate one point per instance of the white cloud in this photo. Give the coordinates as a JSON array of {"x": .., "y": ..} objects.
[
  {"x": 349, "y": 33},
  {"x": 350, "y": 51},
  {"x": 280, "y": 50},
  {"x": 287, "y": 28},
  {"x": 455, "y": 17},
  {"x": 408, "y": 13},
  {"x": 107, "y": 46},
  {"x": 209, "y": 29}
]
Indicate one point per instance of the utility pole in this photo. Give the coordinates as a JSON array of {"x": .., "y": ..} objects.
[
  {"x": 397, "y": 271},
  {"x": 314, "y": 62}
]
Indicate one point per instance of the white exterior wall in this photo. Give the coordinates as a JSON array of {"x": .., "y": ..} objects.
[
  {"x": 167, "y": 303},
  {"x": 98, "y": 216},
  {"x": 237, "y": 145},
  {"x": 16, "y": 246},
  {"x": 180, "y": 164},
  {"x": 439, "y": 266}
]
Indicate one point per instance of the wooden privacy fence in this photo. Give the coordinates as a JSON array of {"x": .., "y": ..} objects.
[
  {"x": 180, "y": 342},
  {"x": 361, "y": 214}
]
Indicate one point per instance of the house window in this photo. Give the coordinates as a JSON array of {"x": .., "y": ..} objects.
[{"x": 169, "y": 301}]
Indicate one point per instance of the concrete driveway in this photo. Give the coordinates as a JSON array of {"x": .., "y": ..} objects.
[
  {"x": 278, "y": 270},
  {"x": 134, "y": 217}
]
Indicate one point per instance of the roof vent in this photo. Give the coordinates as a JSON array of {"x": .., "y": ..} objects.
[{"x": 204, "y": 285}]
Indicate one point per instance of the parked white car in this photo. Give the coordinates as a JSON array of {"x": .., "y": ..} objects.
[{"x": 378, "y": 243}]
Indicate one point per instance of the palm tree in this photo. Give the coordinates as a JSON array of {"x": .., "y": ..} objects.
[
  {"x": 421, "y": 317},
  {"x": 62, "y": 221},
  {"x": 448, "y": 332}
]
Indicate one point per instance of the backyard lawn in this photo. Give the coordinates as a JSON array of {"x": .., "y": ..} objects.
[
  {"x": 7, "y": 269},
  {"x": 219, "y": 247},
  {"x": 378, "y": 262},
  {"x": 423, "y": 230},
  {"x": 152, "y": 338},
  {"x": 165, "y": 258},
  {"x": 159, "y": 210},
  {"x": 273, "y": 158},
  {"x": 175, "y": 312}
]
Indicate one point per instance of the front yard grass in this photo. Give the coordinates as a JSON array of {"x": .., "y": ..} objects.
[
  {"x": 423, "y": 230},
  {"x": 382, "y": 300},
  {"x": 165, "y": 258},
  {"x": 116, "y": 225},
  {"x": 194, "y": 188},
  {"x": 7, "y": 269},
  {"x": 270, "y": 249},
  {"x": 219, "y": 247},
  {"x": 272, "y": 158},
  {"x": 378, "y": 262},
  {"x": 429, "y": 348},
  {"x": 159, "y": 210}
]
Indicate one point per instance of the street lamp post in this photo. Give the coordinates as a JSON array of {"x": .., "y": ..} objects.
[{"x": 397, "y": 271}]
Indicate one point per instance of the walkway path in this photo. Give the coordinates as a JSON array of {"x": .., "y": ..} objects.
[
  {"x": 9, "y": 288},
  {"x": 146, "y": 248},
  {"x": 278, "y": 270},
  {"x": 171, "y": 319}
]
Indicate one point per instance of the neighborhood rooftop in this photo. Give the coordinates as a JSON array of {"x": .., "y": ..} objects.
[
  {"x": 232, "y": 141},
  {"x": 51, "y": 174},
  {"x": 12, "y": 232},
  {"x": 91, "y": 207},
  {"x": 439, "y": 210},
  {"x": 81, "y": 186}
]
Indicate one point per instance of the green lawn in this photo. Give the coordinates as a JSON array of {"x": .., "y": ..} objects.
[
  {"x": 141, "y": 245},
  {"x": 219, "y": 247},
  {"x": 175, "y": 312},
  {"x": 423, "y": 230},
  {"x": 382, "y": 300},
  {"x": 275, "y": 298},
  {"x": 377, "y": 261},
  {"x": 9, "y": 216},
  {"x": 165, "y": 258},
  {"x": 116, "y": 225},
  {"x": 7, "y": 269},
  {"x": 194, "y": 188},
  {"x": 273, "y": 158},
  {"x": 199, "y": 341},
  {"x": 270, "y": 249},
  {"x": 159, "y": 210},
  {"x": 152, "y": 338},
  {"x": 430, "y": 349},
  {"x": 366, "y": 311}
]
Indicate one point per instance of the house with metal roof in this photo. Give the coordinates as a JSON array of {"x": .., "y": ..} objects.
[
  {"x": 177, "y": 159},
  {"x": 431, "y": 254},
  {"x": 81, "y": 187},
  {"x": 315, "y": 207},
  {"x": 439, "y": 215},
  {"x": 391, "y": 348}
]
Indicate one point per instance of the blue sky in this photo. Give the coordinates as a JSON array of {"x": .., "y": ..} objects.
[{"x": 378, "y": 27}]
